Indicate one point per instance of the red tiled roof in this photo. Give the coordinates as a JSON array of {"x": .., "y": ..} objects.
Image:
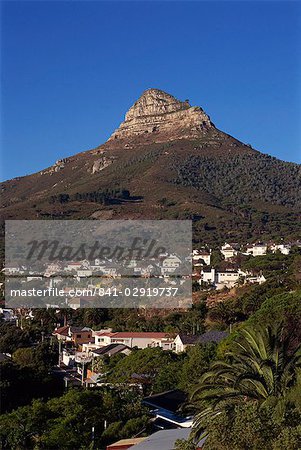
[{"x": 63, "y": 331}]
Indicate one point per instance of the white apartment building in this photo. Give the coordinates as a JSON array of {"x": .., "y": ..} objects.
[
  {"x": 228, "y": 251},
  {"x": 258, "y": 249},
  {"x": 220, "y": 279}
]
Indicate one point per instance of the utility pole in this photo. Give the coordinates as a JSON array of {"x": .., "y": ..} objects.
[
  {"x": 83, "y": 370},
  {"x": 60, "y": 353}
]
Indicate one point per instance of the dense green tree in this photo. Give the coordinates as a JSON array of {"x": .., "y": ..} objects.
[
  {"x": 24, "y": 357},
  {"x": 197, "y": 361},
  {"x": 66, "y": 422},
  {"x": 258, "y": 366},
  {"x": 182, "y": 444},
  {"x": 12, "y": 338},
  {"x": 154, "y": 368},
  {"x": 246, "y": 426}
]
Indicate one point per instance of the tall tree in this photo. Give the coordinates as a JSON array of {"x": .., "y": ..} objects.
[{"x": 258, "y": 367}]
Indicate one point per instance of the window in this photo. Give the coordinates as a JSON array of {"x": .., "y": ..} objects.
[{"x": 78, "y": 335}]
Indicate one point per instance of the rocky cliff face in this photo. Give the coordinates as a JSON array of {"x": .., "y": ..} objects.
[{"x": 163, "y": 117}]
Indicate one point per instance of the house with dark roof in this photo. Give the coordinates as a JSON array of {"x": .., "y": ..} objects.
[
  {"x": 77, "y": 335},
  {"x": 183, "y": 341},
  {"x": 110, "y": 350},
  {"x": 166, "y": 408}
]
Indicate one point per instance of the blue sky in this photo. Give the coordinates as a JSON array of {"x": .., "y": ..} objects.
[{"x": 70, "y": 70}]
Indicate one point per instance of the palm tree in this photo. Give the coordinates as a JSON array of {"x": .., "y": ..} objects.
[{"x": 258, "y": 368}]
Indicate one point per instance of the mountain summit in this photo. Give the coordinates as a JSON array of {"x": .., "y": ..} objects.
[
  {"x": 164, "y": 116},
  {"x": 167, "y": 161}
]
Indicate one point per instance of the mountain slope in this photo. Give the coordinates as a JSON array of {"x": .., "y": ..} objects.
[{"x": 167, "y": 160}]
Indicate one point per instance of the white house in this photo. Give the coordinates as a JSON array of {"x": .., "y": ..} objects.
[
  {"x": 73, "y": 266},
  {"x": 228, "y": 251},
  {"x": 33, "y": 278},
  {"x": 207, "y": 276},
  {"x": 183, "y": 341},
  {"x": 220, "y": 279},
  {"x": 82, "y": 273},
  {"x": 131, "y": 339},
  {"x": 143, "y": 339},
  {"x": 200, "y": 256},
  {"x": 258, "y": 249},
  {"x": 227, "y": 279},
  {"x": 170, "y": 264},
  {"x": 282, "y": 248},
  {"x": 11, "y": 270},
  {"x": 102, "y": 337},
  {"x": 256, "y": 279}
]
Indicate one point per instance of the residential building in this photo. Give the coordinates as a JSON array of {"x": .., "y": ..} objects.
[
  {"x": 83, "y": 273},
  {"x": 131, "y": 339},
  {"x": 259, "y": 279},
  {"x": 73, "y": 266},
  {"x": 228, "y": 278},
  {"x": 170, "y": 264},
  {"x": 258, "y": 249},
  {"x": 228, "y": 251},
  {"x": 183, "y": 341},
  {"x": 219, "y": 279},
  {"x": 102, "y": 337},
  {"x": 11, "y": 270},
  {"x": 207, "y": 276},
  {"x": 282, "y": 248},
  {"x": 143, "y": 268},
  {"x": 77, "y": 335},
  {"x": 110, "y": 350},
  {"x": 201, "y": 257},
  {"x": 165, "y": 409},
  {"x": 144, "y": 339}
]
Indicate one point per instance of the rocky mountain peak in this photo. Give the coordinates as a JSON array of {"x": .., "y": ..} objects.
[
  {"x": 163, "y": 117},
  {"x": 154, "y": 102}
]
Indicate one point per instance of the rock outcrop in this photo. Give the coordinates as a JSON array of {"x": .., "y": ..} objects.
[
  {"x": 101, "y": 163},
  {"x": 56, "y": 167},
  {"x": 163, "y": 117}
]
